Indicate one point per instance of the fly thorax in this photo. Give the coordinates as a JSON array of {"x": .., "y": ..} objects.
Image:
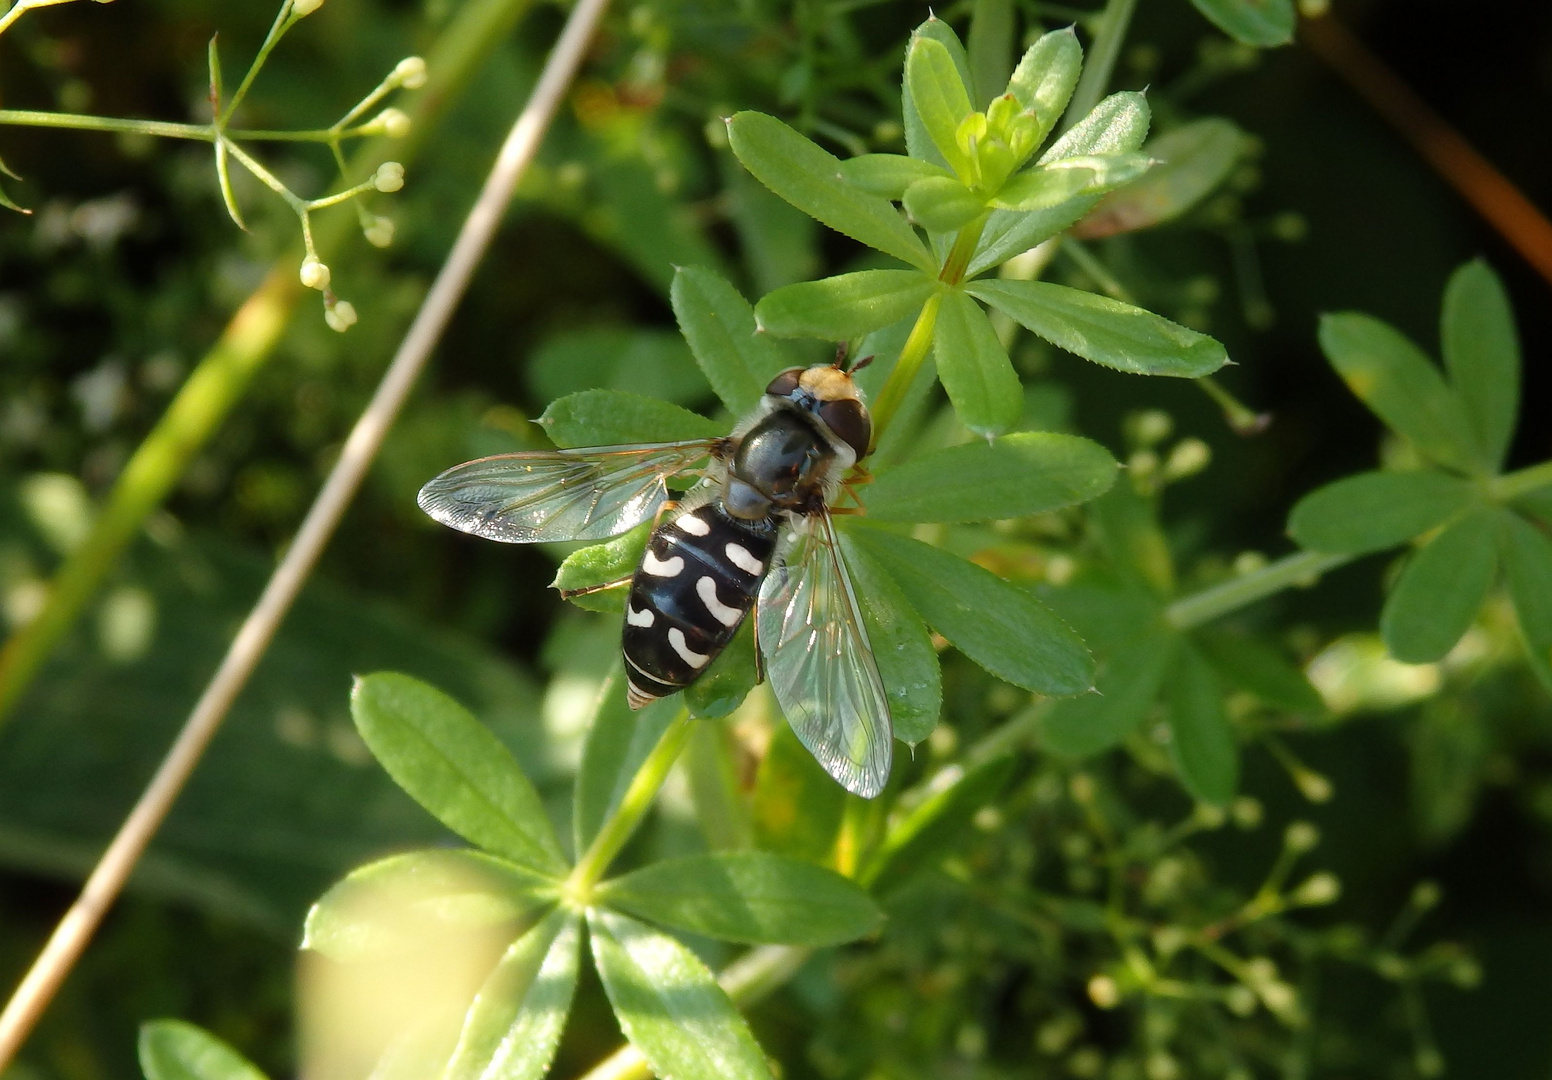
[{"x": 783, "y": 459}]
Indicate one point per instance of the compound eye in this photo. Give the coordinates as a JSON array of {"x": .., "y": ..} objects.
[
  {"x": 849, "y": 422},
  {"x": 784, "y": 384}
]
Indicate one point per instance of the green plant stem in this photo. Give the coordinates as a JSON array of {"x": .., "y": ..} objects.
[
  {"x": 1511, "y": 486},
  {"x": 1103, "y": 54},
  {"x": 283, "y": 22},
  {"x": 223, "y": 375},
  {"x": 905, "y": 369},
  {"x": 638, "y": 798},
  {"x": 1302, "y": 567},
  {"x": 81, "y": 122}
]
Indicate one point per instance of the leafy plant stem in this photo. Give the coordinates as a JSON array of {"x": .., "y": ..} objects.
[
  {"x": 905, "y": 369},
  {"x": 283, "y": 21},
  {"x": 1513, "y": 485},
  {"x": 82, "y": 122},
  {"x": 1116, "y": 19},
  {"x": 1300, "y": 568},
  {"x": 222, "y": 376},
  {"x": 107, "y": 879},
  {"x": 953, "y": 271},
  {"x": 1241, "y": 417},
  {"x": 638, "y": 798}
]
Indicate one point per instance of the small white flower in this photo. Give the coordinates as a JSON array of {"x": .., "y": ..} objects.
[
  {"x": 341, "y": 316},
  {"x": 315, "y": 274},
  {"x": 393, "y": 122},
  {"x": 380, "y": 232},
  {"x": 303, "y": 8},
  {"x": 389, "y": 177},
  {"x": 410, "y": 73}
]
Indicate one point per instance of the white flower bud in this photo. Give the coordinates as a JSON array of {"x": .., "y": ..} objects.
[
  {"x": 1301, "y": 836},
  {"x": 315, "y": 275},
  {"x": 341, "y": 316},
  {"x": 393, "y": 122},
  {"x": 1104, "y": 992},
  {"x": 303, "y": 8},
  {"x": 389, "y": 177},
  {"x": 410, "y": 73},
  {"x": 1320, "y": 888},
  {"x": 380, "y": 232}
]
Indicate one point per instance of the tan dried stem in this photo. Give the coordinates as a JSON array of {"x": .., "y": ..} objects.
[{"x": 75, "y": 930}]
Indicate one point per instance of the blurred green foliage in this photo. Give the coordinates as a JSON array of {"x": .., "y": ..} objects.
[{"x": 1044, "y": 916}]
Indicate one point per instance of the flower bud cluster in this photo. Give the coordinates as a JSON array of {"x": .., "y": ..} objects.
[{"x": 996, "y": 142}]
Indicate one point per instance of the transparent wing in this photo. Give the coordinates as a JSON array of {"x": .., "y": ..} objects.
[
  {"x": 585, "y": 494},
  {"x": 819, "y": 660}
]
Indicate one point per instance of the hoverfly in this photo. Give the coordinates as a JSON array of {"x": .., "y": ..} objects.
[{"x": 754, "y": 533}]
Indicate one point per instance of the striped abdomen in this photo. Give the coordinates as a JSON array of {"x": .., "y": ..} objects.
[{"x": 697, "y": 580}]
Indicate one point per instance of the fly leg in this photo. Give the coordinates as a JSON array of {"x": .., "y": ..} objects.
[
  {"x": 759, "y": 657},
  {"x": 603, "y": 586}
]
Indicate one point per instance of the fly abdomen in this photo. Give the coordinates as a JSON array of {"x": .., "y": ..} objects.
[{"x": 697, "y": 579}]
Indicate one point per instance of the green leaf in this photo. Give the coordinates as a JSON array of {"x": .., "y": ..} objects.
[
  {"x": 600, "y": 563},
  {"x": 1051, "y": 185},
  {"x": 1103, "y": 330},
  {"x": 752, "y": 897},
  {"x": 1527, "y": 558},
  {"x": 728, "y": 681},
  {"x": 845, "y": 307},
  {"x": 1191, "y": 162},
  {"x": 618, "y": 741},
  {"x": 974, "y": 367},
  {"x": 454, "y": 767},
  {"x": 669, "y": 1006},
  {"x": 656, "y": 363},
  {"x": 1261, "y": 23},
  {"x": 1440, "y": 590},
  {"x": 394, "y": 904},
  {"x": 940, "y": 96},
  {"x": 174, "y": 1050},
  {"x": 224, "y": 182},
  {"x": 1128, "y": 685},
  {"x": 942, "y": 204},
  {"x": 797, "y": 806},
  {"x": 1482, "y": 355},
  {"x": 918, "y": 142},
  {"x": 1029, "y": 472},
  {"x": 888, "y": 175},
  {"x": 1403, "y": 388},
  {"x": 1118, "y": 124},
  {"x": 612, "y": 417},
  {"x": 907, "y": 662},
  {"x": 719, "y": 325},
  {"x": 1044, "y": 79},
  {"x": 515, "y": 1023},
  {"x": 934, "y": 827},
  {"x": 1376, "y": 510},
  {"x": 1201, "y": 741},
  {"x": 1001, "y": 627},
  {"x": 990, "y": 48},
  {"x": 810, "y": 179},
  {"x": 1253, "y": 665},
  {"x": 5, "y": 200}
]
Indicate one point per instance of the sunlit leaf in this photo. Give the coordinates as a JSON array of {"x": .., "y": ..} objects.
[
  {"x": 1482, "y": 355},
  {"x": 1440, "y": 590},
  {"x": 1028, "y": 472},
  {"x": 1376, "y": 510},
  {"x": 845, "y": 307},
  {"x": 989, "y": 49},
  {"x": 1261, "y": 23},
  {"x": 810, "y": 179},
  {"x": 941, "y": 204},
  {"x": 515, "y": 1023},
  {"x": 752, "y": 897},
  {"x": 940, "y": 96},
  {"x": 1051, "y": 185},
  {"x": 669, "y": 1006},
  {"x": 1001, "y": 627},
  {"x": 174, "y": 1050},
  {"x": 974, "y": 367},
  {"x": 888, "y": 174},
  {"x": 728, "y": 680},
  {"x": 719, "y": 325},
  {"x": 399, "y": 902},
  {"x": 1526, "y": 552},
  {"x": 1403, "y": 387},
  {"x": 598, "y": 564},
  {"x": 1103, "y": 330},
  {"x": 612, "y": 417},
  {"x": 453, "y": 766},
  {"x": 918, "y": 142},
  {"x": 1044, "y": 79},
  {"x": 1201, "y": 740}
]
